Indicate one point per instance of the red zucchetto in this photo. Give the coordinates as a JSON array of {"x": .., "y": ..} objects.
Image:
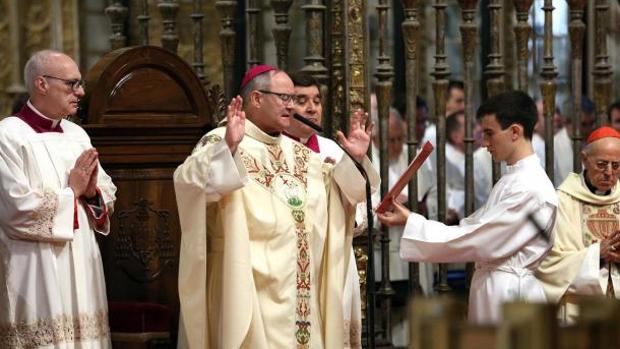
[
  {"x": 602, "y": 132},
  {"x": 254, "y": 72}
]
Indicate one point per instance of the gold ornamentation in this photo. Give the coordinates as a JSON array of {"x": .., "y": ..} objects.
[
  {"x": 51, "y": 332},
  {"x": 38, "y": 26}
]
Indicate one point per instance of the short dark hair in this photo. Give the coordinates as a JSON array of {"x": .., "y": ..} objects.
[
  {"x": 512, "y": 107},
  {"x": 453, "y": 123},
  {"x": 613, "y": 106},
  {"x": 304, "y": 79},
  {"x": 454, "y": 84}
]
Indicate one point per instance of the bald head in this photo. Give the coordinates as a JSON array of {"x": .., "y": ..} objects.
[{"x": 601, "y": 160}]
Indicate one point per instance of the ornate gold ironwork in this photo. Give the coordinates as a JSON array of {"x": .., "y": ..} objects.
[
  {"x": 411, "y": 36},
  {"x": 143, "y": 18},
  {"x": 252, "y": 11},
  {"x": 117, "y": 13},
  {"x": 281, "y": 31},
  {"x": 602, "y": 69},
  {"x": 315, "y": 60},
  {"x": 336, "y": 119},
  {"x": 441, "y": 71},
  {"x": 169, "y": 37},
  {"x": 548, "y": 87},
  {"x": 356, "y": 54},
  {"x": 495, "y": 69},
  {"x": 197, "y": 17},
  {"x": 522, "y": 34},
  {"x": 226, "y": 9},
  {"x": 576, "y": 29}
]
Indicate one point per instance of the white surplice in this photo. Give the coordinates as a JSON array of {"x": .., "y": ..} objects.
[
  {"x": 53, "y": 292},
  {"x": 506, "y": 247},
  {"x": 265, "y": 244}
]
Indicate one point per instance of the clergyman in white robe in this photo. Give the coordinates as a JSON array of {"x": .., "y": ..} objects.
[{"x": 52, "y": 286}]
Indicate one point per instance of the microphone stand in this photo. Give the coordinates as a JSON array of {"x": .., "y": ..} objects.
[{"x": 370, "y": 273}]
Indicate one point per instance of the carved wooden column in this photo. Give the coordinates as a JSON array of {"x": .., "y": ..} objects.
[
  {"x": 169, "y": 36},
  {"x": 495, "y": 68},
  {"x": 282, "y": 30},
  {"x": 441, "y": 72},
  {"x": 602, "y": 69},
  {"x": 411, "y": 36},
  {"x": 197, "y": 17},
  {"x": 576, "y": 30},
  {"x": 117, "y": 14},
  {"x": 143, "y": 20},
  {"x": 528, "y": 326},
  {"x": 522, "y": 34},
  {"x": 315, "y": 60},
  {"x": 252, "y": 13},
  {"x": 226, "y": 9},
  {"x": 383, "y": 90},
  {"x": 548, "y": 87}
]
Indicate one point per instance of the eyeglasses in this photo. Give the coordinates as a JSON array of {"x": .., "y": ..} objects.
[
  {"x": 75, "y": 84},
  {"x": 603, "y": 165},
  {"x": 285, "y": 97}
]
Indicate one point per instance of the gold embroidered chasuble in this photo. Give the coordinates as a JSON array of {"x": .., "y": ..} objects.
[
  {"x": 265, "y": 267},
  {"x": 573, "y": 265}
]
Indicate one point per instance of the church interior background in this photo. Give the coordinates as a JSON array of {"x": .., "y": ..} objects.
[{"x": 352, "y": 46}]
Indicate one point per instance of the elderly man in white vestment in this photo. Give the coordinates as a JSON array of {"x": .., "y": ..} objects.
[
  {"x": 308, "y": 104},
  {"x": 498, "y": 237},
  {"x": 264, "y": 250},
  {"x": 54, "y": 196},
  {"x": 584, "y": 259}
]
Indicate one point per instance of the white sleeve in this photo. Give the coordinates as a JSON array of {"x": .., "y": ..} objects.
[
  {"x": 587, "y": 280},
  {"x": 212, "y": 169},
  {"x": 496, "y": 233}
]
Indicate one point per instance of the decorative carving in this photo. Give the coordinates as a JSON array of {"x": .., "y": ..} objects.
[
  {"x": 216, "y": 97},
  {"x": 253, "y": 12},
  {"x": 356, "y": 27},
  {"x": 6, "y": 61},
  {"x": 336, "y": 119},
  {"x": 576, "y": 29},
  {"x": 70, "y": 28},
  {"x": 37, "y": 26},
  {"x": 197, "y": 17},
  {"x": 117, "y": 14},
  {"x": 281, "y": 30},
  {"x": 169, "y": 36},
  {"x": 522, "y": 34},
  {"x": 441, "y": 72},
  {"x": 143, "y": 245},
  {"x": 226, "y": 9},
  {"x": 315, "y": 59},
  {"x": 548, "y": 87},
  {"x": 602, "y": 68}
]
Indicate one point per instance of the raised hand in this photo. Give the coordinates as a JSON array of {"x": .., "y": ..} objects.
[
  {"x": 80, "y": 174},
  {"x": 235, "y": 126},
  {"x": 357, "y": 141}
]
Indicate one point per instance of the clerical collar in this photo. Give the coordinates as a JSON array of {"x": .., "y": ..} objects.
[
  {"x": 591, "y": 187},
  {"x": 311, "y": 142},
  {"x": 37, "y": 121}
]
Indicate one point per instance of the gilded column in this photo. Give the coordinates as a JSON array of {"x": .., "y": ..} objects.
[
  {"x": 282, "y": 30},
  {"x": 441, "y": 72},
  {"x": 411, "y": 36},
  {"x": 226, "y": 9},
  {"x": 197, "y": 17},
  {"x": 315, "y": 60},
  {"x": 117, "y": 13},
  {"x": 252, "y": 12},
  {"x": 169, "y": 36},
  {"x": 576, "y": 30},
  {"x": 495, "y": 69},
  {"x": 548, "y": 87},
  {"x": 602, "y": 69},
  {"x": 339, "y": 98},
  {"x": 357, "y": 55},
  {"x": 522, "y": 33}
]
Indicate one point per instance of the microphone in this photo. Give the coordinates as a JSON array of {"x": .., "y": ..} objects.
[{"x": 308, "y": 123}]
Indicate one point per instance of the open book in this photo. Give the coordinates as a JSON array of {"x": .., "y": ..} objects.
[{"x": 413, "y": 167}]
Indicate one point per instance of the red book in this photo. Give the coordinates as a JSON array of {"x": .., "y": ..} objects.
[{"x": 413, "y": 167}]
